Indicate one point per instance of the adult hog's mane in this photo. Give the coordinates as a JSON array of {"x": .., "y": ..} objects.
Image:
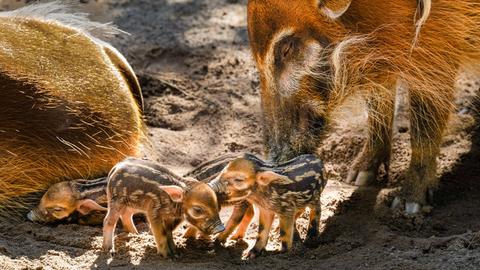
[
  {"x": 424, "y": 9},
  {"x": 426, "y": 64},
  {"x": 61, "y": 12}
]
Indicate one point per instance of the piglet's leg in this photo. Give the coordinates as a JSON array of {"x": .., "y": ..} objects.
[
  {"x": 170, "y": 243},
  {"x": 190, "y": 233},
  {"x": 127, "y": 221},
  {"x": 160, "y": 235},
  {"x": 265, "y": 223},
  {"x": 296, "y": 234},
  {"x": 247, "y": 219},
  {"x": 287, "y": 223},
  {"x": 312, "y": 233},
  {"x": 109, "y": 224},
  {"x": 237, "y": 215}
]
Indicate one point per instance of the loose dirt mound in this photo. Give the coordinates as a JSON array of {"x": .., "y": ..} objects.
[{"x": 201, "y": 93}]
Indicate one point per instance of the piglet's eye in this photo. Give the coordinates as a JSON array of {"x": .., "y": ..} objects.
[
  {"x": 198, "y": 210},
  {"x": 56, "y": 209},
  {"x": 238, "y": 180}
]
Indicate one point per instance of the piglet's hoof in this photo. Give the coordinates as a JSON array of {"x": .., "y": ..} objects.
[
  {"x": 219, "y": 242},
  {"x": 237, "y": 237},
  {"x": 312, "y": 242},
  {"x": 163, "y": 254},
  {"x": 254, "y": 253},
  {"x": 221, "y": 238},
  {"x": 283, "y": 249},
  {"x": 110, "y": 252}
]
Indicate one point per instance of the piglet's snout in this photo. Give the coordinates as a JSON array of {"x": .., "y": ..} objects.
[
  {"x": 33, "y": 216},
  {"x": 218, "y": 186},
  {"x": 30, "y": 216},
  {"x": 217, "y": 227}
]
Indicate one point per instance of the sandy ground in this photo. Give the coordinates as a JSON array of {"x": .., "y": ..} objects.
[{"x": 201, "y": 93}]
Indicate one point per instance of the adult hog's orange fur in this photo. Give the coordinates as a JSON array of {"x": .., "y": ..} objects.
[
  {"x": 312, "y": 54},
  {"x": 70, "y": 104}
]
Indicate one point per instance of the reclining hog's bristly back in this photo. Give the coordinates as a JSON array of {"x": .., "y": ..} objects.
[
  {"x": 83, "y": 185},
  {"x": 62, "y": 12}
]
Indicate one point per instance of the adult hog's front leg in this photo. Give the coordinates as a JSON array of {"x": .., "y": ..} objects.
[
  {"x": 376, "y": 150},
  {"x": 429, "y": 115}
]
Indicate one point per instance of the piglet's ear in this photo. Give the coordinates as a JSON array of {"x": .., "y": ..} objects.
[
  {"x": 86, "y": 206},
  {"x": 266, "y": 177},
  {"x": 175, "y": 192},
  {"x": 334, "y": 8}
]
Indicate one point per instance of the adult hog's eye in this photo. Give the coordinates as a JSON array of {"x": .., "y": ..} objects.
[{"x": 286, "y": 49}]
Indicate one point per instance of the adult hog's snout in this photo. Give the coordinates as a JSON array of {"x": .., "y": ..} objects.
[{"x": 295, "y": 61}]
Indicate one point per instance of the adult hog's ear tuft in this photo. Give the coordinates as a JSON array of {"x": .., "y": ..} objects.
[
  {"x": 175, "y": 192},
  {"x": 86, "y": 206},
  {"x": 266, "y": 177},
  {"x": 334, "y": 8}
]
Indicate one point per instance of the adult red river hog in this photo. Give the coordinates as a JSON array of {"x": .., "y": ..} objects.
[{"x": 312, "y": 54}]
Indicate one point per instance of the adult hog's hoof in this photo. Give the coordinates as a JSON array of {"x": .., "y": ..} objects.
[
  {"x": 397, "y": 203},
  {"x": 361, "y": 178},
  {"x": 352, "y": 176},
  {"x": 410, "y": 207}
]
